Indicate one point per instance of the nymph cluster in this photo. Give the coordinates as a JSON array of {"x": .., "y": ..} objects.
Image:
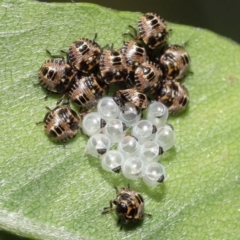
[{"x": 146, "y": 72}]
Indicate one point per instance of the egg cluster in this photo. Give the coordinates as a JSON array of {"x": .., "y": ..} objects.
[
  {"x": 147, "y": 72},
  {"x": 137, "y": 143}
]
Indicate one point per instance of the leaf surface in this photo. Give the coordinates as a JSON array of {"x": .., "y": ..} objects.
[{"x": 51, "y": 192}]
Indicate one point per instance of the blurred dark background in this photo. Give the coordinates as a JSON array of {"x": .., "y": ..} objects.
[{"x": 222, "y": 17}]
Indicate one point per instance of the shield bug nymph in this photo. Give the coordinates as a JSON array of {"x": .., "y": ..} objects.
[
  {"x": 131, "y": 95},
  {"x": 148, "y": 77},
  {"x": 113, "y": 66},
  {"x": 55, "y": 75},
  {"x": 134, "y": 53},
  {"x": 129, "y": 206},
  {"x": 153, "y": 30},
  {"x": 174, "y": 62},
  {"x": 61, "y": 123},
  {"x": 174, "y": 96},
  {"x": 86, "y": 91},
  {"x": 84, "y": 54}
]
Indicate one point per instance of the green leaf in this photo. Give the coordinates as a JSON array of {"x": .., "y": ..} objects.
[{"x": 51, "y": 192}]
